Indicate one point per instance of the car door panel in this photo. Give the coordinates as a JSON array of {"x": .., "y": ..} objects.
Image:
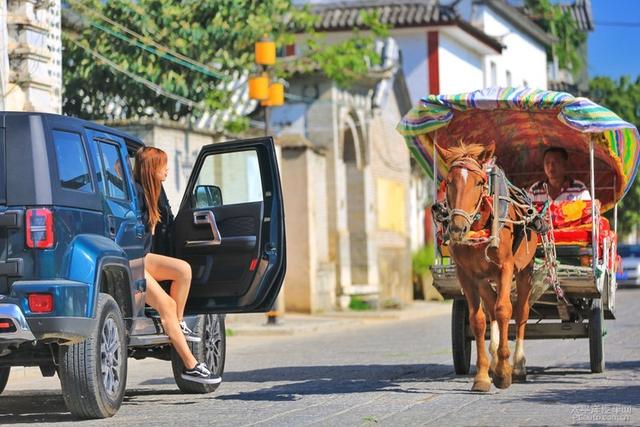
[{"x": 238, "y": 263}]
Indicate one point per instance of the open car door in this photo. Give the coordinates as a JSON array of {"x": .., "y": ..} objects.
[{"x": 230, "y": 228}]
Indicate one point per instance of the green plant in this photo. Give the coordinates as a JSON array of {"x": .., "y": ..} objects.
[
  {"x": 560, "y": 24},
  {"x": 422, "y": 259},
  {"x": 359, "y": 304}
]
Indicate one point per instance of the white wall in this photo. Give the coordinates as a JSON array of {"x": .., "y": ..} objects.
[
  {"x": 413, "y": 48},
  {"x": 523, "y": 57},
  {"x": 461, "y": 70}
]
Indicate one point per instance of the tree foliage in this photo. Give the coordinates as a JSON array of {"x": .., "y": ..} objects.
[
  {"x": 622, "y": 97},
  {"x": 219, "y": 34},
  {"x": 560, "y": 24}
]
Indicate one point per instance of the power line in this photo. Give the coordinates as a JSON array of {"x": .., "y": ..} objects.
[
  {"x": 617, "y": 24},
  {"x": 203, "y": 68},
  {"x": 155, "y": 51},
  {"x": 149, "y": 84}
]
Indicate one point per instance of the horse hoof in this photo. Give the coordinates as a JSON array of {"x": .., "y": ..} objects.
[
  {"x": 519, "y": 378},
  {"x": 502, "y": 382},
  {"x": 483, "y": 386}
]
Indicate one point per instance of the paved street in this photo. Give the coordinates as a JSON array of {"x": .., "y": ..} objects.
[{"x": 382, "y": 372}]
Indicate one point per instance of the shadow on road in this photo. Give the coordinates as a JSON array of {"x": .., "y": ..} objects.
[
  {"x": 32, "y": 407},
  {"x": 316, "y": 380},
  {"x": 628, "y": 395}
]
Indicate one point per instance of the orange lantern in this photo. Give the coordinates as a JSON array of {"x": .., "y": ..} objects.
[
  {"x": 276, "y": 96},
  {"x": 265, "y": 51},
  {"x": 259, "y": 87}
]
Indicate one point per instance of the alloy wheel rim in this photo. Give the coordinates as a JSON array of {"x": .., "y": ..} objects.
[
  {"x": 110, "y": 357},
  {"x": 212, "y": 342}
]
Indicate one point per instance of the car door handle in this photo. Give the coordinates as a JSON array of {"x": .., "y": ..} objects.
[
  {"x": 111, "y": 224},
  {"x": 205, "y": 217}
]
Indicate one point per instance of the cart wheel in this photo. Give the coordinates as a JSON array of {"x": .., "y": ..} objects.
[
  {"x": 596, "y": 337},
  {"x": 461, "y": 343}
]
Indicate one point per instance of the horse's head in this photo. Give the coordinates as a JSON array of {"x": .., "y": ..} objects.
[{"x": 466, "y": 184}]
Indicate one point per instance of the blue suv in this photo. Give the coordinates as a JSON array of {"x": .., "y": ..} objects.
[{"x": 72, "y": 287}]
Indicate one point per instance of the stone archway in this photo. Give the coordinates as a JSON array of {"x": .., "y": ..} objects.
[{"x": 358, "y": 215}]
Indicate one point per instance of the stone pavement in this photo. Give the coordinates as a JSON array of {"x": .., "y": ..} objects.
[{"x": 297, "y": 323}]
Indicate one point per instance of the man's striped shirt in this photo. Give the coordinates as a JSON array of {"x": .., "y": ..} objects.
[{"x": 575, "y": 190}]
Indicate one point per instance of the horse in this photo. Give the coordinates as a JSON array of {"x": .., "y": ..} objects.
[{"x": 481, "y": 264}]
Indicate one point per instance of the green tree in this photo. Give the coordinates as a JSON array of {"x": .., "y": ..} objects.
[
  {"x": 622, "y": 97},
  {"x": 177, "y": 59},
  {"x": 560, "y": 24}
]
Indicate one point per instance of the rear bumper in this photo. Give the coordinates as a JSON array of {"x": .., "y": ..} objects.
[
  {"x": 63, "y": 329},
  {"x": 22, "y": 331}
]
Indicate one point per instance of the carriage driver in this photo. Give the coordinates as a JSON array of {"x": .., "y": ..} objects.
[{"x": 560, "y": 186}]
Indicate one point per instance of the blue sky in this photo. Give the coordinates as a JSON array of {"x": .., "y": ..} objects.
[{"x": 615, "y": 50}]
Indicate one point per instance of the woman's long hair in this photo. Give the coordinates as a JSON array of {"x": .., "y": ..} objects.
[{"x": 148, "y": 162}]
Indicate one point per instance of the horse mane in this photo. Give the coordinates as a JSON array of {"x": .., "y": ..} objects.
[{"x": 464, "y": 150}]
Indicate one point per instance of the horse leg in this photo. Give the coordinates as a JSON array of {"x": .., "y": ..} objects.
[
  {"x": 478, "y": 323},
  {"x": 489, "y": 299},
  {"x": 523, "y": 284},
  {"x": 502, "y": 374}
]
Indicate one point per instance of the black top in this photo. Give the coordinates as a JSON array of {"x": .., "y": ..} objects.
[{"x": 160, "y": 241}]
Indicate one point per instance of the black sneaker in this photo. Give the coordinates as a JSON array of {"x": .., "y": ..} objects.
[
  {"x": 200, "y": 374},
  {"x": 189, "y": 335}
]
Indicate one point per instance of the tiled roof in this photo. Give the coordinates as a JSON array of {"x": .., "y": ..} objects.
[
  {"x": 346, "y": 15},
  {"x": 519, "y": 20},
  {"x": 581, "y": 13}
]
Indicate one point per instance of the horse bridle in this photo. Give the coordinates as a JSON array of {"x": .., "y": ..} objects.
[{"x": 473, "y": 166}]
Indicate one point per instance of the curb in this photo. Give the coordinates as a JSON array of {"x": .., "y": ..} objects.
[{"x": 296, "y": 323}]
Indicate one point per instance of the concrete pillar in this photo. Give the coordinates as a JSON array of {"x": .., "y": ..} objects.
[
  {"x": 310, "y": 282},
  {"x": 323, "y": 131}
]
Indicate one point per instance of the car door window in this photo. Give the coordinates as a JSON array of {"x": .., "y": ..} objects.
[
  {"x": 73, "y": 169},
  {"x": 228, "y": 179},
  {"x": 113, "y": 171}
]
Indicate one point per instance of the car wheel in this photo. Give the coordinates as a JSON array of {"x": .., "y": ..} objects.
[
  {"x": 4, "y": 377},
  {"x": 93, "y": 373},
  {"x": 210, "y": 350},
  {"x": 461, "y": 344},
  {"x": 596, "y": 334}
]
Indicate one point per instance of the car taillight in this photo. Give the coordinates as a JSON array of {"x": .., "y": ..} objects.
[
  {"x": 40, "y": 228},
  {"x": 6, "y": 325},
  {"x": 41, "y": 303}
]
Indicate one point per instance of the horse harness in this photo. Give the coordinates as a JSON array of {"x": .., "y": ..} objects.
[{"x": 496, "y": 189}]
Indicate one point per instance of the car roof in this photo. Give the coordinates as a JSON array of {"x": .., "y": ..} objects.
[{"x": 132, "y": 140}]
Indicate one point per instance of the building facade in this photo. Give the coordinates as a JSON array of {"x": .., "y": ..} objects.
[{"x": 30, "y": 56}]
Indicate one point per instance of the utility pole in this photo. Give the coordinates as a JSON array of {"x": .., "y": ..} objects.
[{"x": 270, "y": 94}]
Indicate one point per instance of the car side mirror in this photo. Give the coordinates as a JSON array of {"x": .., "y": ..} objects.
[{"x": 207, "y": 196}]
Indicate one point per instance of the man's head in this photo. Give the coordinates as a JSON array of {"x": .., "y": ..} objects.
[{"x": 555, "y": 164}]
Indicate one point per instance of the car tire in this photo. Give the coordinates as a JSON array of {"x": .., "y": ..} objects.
[
  {"x": 4, "y": 377},
  {"x": 93, "y": 373},
  {"x": 211, "y": 350},
  {"x": 596, "y": 337},
  {"x": 461, "y": 344}
]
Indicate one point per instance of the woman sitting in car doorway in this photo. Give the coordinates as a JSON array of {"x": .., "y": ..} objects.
[{"x": 150, "y": 170}]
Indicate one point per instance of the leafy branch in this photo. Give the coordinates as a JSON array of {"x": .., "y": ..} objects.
[
  {"x": 192, "y": 50},
  {"x": 560, "y": 24}
]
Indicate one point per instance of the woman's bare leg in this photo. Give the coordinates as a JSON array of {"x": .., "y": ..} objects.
[
  {"x": 178, "y": 271},
  {"x": 157, "y": 298}
]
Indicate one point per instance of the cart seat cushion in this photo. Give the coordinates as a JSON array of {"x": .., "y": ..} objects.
[{"x": 572, "y": 213}]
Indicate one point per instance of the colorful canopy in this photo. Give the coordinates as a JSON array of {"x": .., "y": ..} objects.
[{"x": 525, "y": 122}]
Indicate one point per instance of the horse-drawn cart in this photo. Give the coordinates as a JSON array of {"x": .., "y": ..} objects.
[{"x": 574, "y": 280}]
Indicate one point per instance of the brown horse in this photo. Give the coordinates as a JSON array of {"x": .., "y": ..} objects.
[{"x": 478, "y": 266}]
